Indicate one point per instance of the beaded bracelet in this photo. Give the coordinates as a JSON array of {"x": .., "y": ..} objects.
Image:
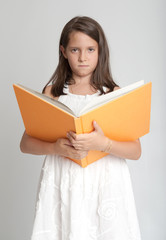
[{"x": 108, "y": 147}]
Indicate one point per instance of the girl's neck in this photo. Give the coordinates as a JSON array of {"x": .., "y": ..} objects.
[
  {"x": 82, "y": 87},
  {"x": 79, "y": 80}
]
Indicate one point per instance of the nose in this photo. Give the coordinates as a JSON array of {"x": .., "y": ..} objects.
[{"x": 82, "y": 56}]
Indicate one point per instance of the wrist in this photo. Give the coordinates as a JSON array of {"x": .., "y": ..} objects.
[
  {"x": 52, "y": 148},
  {"x": 107, "y": 146},
  {"x": 103, "y": 143}
]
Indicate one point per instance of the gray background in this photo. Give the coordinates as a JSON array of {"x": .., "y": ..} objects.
[{"x": 30, "y": 32}]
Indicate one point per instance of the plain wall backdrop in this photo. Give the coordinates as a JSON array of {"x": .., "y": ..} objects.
[{"x": 30, "y": 32}]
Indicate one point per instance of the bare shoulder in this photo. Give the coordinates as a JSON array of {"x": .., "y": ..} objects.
[
  {"x": 116, "y": 88},
  {"x": 47, "y": 92}
]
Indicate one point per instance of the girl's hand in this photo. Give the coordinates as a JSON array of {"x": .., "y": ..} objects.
[
  {"x": 89, "y": 141},
  {"x": 64, "y": 148}
]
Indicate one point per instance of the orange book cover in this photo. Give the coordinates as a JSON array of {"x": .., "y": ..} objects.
[{"x": 123, "y": 115}]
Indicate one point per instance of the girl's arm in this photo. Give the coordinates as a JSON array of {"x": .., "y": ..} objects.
[
  {"x": 61, "y": 147},
  {"x": 97, "y": 141},
  {"x": 35, "y": 146},
  {"x": 130, "y": 150}
]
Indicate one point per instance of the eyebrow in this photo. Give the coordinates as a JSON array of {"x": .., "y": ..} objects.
[{"x": 79, "y": 47}]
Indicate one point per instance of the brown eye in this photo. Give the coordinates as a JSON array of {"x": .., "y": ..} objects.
[
  {"x": 74, "y": 50},
  {"x": 91, "y": 49}
]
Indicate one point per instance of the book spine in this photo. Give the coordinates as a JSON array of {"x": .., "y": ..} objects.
[
  {"x": 79, "y": 129},
  {"x": 78, "y": 125}
]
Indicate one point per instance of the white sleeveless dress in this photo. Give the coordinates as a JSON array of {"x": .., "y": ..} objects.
[{"x": 92, "y": 203}]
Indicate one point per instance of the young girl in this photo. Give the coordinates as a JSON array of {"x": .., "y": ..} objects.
[{"x": 78, "y": 203}]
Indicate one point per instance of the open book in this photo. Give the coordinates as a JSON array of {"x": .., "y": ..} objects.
[{"x": 123, "y": 115}]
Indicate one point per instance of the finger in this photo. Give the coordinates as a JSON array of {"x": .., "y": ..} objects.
[
  {"x": 72, "y": 141},
  {"x": 72, "y": 134},
  {"x": 77, "y": 146},
  {"x": 67, "y": 142},
  {"x": 69, "y": 137},
  {"x": 77, "y": 137},
  {"x": 97, "y": 127}
]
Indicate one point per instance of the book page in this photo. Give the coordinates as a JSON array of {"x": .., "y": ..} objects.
[
  {"x": 101, "y": 100},
  {"x": 48, "y": 99},
  {"x": 97, "y": 102}
]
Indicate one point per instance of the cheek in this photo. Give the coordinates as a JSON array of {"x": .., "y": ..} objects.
[
  {"x": 71, "y": 60},
  {"x": 96, "y": 58},
  {"x": 72, "y": 64}
]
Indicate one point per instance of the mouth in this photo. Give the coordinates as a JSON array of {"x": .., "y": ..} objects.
[{"x": 83, "y": 65}]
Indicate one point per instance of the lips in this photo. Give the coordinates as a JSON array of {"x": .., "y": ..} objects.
[{"x": 83, "y": 65}]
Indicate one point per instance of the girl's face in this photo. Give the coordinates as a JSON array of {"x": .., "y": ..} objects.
[{"x": 82, "y": 54}]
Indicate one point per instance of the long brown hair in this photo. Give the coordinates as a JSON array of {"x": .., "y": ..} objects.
[{"x": 101, "y": 76}]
